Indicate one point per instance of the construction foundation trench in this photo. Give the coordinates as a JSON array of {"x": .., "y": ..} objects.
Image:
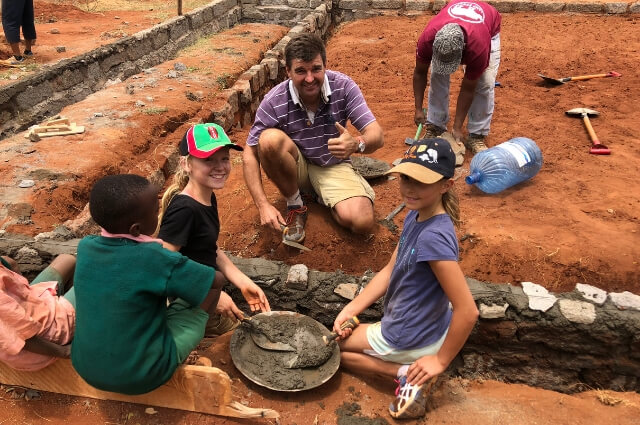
[{"x": 571, "y": 230}]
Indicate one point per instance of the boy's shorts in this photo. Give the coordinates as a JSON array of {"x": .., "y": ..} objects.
[
  {"x": 383, "y": 351},
  {"x": 50, "y": 274},
  {"x": 186, "y": 324},
  {"x": 334, "y": 183}
]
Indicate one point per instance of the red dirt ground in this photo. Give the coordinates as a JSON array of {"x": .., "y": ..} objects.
[{"x": 577, "y": 221}]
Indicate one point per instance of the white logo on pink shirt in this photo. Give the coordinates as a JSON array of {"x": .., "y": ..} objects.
[{"x": 468, "y": 12}]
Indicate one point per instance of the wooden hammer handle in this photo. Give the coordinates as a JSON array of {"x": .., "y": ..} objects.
[
  {"x": 347, "y": 324},
  {"x": 590, "y": 130}
]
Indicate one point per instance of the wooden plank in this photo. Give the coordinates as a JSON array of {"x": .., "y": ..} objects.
[
  {"x": 56, "y": 121},
  {"x": 43, "y": 131},
  {"x": 48, "y": 128},
  {"x": 194, "y": 388}
]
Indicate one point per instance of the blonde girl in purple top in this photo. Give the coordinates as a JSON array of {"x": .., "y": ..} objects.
[{"x": 419, "y": 334}]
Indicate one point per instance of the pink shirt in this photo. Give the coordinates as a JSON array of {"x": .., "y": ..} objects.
[
  {"x": 479, "y": 21},
  {"x": 28, "y": 311}
]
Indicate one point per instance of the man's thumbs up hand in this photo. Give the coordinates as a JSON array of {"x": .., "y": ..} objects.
[
  {"x": 343, "y": 146},
  {"x": 340, "y": 128}
]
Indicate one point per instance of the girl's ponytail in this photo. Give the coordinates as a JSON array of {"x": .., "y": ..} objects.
[
  {"x": 180, "y": 180},
  {"x": 451, "y": 206}
]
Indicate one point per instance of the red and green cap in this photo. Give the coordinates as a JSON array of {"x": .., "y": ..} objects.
[{"x": 203, "y": 140}]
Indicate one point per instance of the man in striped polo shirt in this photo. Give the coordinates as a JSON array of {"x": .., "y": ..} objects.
[{"x": 299, "y": 139}]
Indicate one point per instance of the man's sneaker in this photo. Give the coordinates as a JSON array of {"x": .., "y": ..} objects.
[
  {"x": 296, "y": 219},
  {"x": 475, "y": 143},
  {"x": 28, "y": 53},
  {"x": 219, "y": 324},
  {"x": 431, "y": 131},
  {"x": 411, "y": 400}
]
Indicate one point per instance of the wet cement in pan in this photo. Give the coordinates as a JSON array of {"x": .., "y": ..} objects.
[{"x": 311, "y": 364}]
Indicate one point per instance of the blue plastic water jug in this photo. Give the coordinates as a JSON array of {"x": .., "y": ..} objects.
[{"x": 504, "y": 165}]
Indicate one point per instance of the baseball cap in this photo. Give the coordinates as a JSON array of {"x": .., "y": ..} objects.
[
  {"x": 203, "y": 140},
  {"x": 448, "y": 46},
  {"x": 427, "y": 161}
]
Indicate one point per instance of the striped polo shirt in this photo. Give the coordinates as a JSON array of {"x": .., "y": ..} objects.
[{"x": 279, "y": 109}]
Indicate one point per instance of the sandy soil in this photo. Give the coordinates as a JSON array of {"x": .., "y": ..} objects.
[{"x": 577, "y": 221}]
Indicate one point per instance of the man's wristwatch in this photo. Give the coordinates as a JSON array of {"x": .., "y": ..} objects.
[{"x": 361, "y": 144}]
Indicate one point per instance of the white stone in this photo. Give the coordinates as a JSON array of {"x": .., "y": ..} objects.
[
  {"x": 26, "y": 183},
  {"x": 298, "y": 277},
  {"x": 591, "y": 293},
  {"x": 539, "y": 297},
  {"x": 625, "y": 300},
  {"x": 578, "y": 311},
  {"x": 346, "y": 290},
  {"x": 493, "y": 311}
]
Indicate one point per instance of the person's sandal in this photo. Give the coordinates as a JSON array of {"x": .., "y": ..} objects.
[{"x": 296, "y": 219}]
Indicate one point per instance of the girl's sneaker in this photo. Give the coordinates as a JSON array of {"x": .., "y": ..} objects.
[
  {"x": 28, "y": 53},
  {"x": 411, "y": 400}
]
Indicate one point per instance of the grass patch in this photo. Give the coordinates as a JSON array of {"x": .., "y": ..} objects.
[
  {"x": 155, "y": 110},
  {"x": 228, "y": 51},
  {"x": 223, "y": 81}
]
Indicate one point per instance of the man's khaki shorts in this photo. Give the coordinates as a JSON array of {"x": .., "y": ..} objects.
[{"x": 334, "y": 183}]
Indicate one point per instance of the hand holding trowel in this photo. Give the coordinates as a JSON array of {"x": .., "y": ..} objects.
[{"x": 291, "y": 243}]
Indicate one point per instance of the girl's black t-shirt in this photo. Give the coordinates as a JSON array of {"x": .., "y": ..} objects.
[{"x": 194, "y": 227}]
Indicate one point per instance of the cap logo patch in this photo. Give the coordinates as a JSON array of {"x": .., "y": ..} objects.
[
  {"x": 467, "y": 12},
  {"x": 430, "y": 156},
  {"x": 213, "y": 132}
]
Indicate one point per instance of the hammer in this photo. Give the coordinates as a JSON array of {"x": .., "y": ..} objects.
[{"x": 597, "y": 148}]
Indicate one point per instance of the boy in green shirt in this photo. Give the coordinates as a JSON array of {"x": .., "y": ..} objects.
[{"x": 128, "y": 340}]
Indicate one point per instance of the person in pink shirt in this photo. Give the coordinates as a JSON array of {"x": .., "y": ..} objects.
[
  {"x": 467, "y": 33},
  {"x": 36, "y": 325}
]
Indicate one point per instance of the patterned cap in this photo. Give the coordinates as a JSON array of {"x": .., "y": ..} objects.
[
  {"x": 203, "y": 140},
  {"x": 448, "y": 46},
  {"x": 427, "y": 161}
]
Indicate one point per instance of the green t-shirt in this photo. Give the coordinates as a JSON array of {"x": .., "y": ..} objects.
[{"x": 122, "y": 342}]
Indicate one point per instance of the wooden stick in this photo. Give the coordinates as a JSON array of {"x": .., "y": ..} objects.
[{"x": 193, "y": 388}]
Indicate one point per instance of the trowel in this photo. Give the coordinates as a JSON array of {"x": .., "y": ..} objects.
[
  {"x": 291, "y": 243},
  {"x": 262, "y": 340}
]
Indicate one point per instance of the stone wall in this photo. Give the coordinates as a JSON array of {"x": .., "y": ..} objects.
[
  {"x": 563, "y": 342},
  {"x": 45, "y": 93},
  {"x": 289, "y": 12},
  {"x": 284, "y": 12}
]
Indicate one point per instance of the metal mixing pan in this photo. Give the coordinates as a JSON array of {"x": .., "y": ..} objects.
[{"x": 268, "y": 368}]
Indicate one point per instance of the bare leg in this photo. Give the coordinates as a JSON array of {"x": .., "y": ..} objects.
[
  {"x": 28, "y": 44},
  {"x": 13, "y": 264},
  {"x": 65, "y": 264},
  {"x": 356, "y": 214},
  {"x": 15, "y": 49},
  {"x": 353, "y": 358},
  {"x": 278, "y": 156},
  {"x": 211, "y": 301}
]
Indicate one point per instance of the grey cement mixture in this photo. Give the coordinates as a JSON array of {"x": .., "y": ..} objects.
[
  {"x": 309, "y": 366},
  {"x": 369, "y": 168},
  {"x": 349, "y": 414}
]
